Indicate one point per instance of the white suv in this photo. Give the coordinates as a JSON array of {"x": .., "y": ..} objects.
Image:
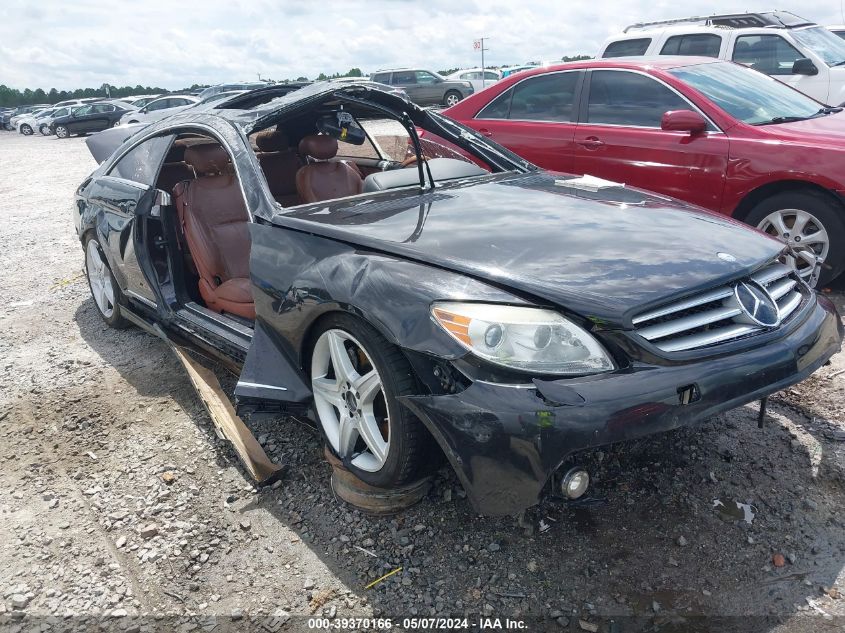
[{"x": 796, "y": 51}]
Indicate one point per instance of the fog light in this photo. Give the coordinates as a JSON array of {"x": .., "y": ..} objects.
[{"x": 575, "y": 483}]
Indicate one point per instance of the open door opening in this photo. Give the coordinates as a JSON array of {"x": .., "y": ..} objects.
[{"x": 203, "y": 251}]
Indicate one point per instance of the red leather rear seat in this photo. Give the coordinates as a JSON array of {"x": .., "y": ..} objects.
[{"x": 279, "y": 162}]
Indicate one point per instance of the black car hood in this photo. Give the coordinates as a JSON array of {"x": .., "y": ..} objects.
[{"x": 602, "y": 254}]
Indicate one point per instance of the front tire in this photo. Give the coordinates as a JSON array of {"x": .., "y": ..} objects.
[
  {"x": 356, "y": 378},
  {"x": 26, "y": 130},
  {"x": 812, "y": 223},
  {"x": 62, "y": 131},
  {"x": 101, "y": 282},
  {"x": 452, "y": 98}
]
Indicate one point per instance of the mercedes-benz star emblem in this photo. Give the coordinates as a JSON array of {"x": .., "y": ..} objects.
[{"x": 757, "y": 304}]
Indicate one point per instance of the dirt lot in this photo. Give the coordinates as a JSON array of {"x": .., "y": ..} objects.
[{"x": 92, "y": 536}]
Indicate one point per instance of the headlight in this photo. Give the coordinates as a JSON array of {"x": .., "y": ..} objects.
[{"x": 529, "y": 339}]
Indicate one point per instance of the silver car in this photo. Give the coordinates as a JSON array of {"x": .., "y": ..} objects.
[{"x": 159, "y": 108}]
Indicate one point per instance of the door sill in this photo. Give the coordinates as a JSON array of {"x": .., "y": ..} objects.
[{"x": 234, "y": 332}]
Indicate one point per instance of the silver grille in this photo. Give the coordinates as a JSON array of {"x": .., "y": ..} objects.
[{"x": 715, "y": 316}]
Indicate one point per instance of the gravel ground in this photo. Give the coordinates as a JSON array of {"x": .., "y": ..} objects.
[{"x": 120, "y": 509}]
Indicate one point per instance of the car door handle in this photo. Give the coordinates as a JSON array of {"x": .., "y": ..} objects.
[
  {"x": 485, "y": 132},
  {"x": 591, "y": 142}
]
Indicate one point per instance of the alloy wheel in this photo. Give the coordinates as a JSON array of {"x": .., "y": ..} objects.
[
  {"x": 61, "y": 131},
  {"x": 801, "y": 230},
  {"x": 26, "y": 130},
  {"x": 452, "y": 99},
  {"x": 45, "y": 130},
  {"x": 349, "y": 398},
  {"x": 99, "y": 278}
]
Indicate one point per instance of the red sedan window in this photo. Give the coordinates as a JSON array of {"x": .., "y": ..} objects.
[
  {"x": 625, "y": 98},
  {"x": 548, "y": 97}
]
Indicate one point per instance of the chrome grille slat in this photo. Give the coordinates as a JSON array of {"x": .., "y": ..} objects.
[
  {"x": 707, "y": 297},
  {"x": 787, "y": 306},
  {"x": 668, "y": 328},
  {"x": 780, "y": 288},
  {"x": 769, "y": 274},
  {"x": 709, "y": 338},
  {"x": 716, "y": 316}
]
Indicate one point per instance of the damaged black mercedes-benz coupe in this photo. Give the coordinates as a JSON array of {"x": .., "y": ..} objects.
[{"x": 418, "y": 290}]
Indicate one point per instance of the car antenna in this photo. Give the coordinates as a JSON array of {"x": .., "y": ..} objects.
[{"x": 412, "y": 131}]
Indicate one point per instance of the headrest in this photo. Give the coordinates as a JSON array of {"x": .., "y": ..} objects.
[
  {"x": 272, "y": 141},
  {"x": 207, "y": 159},
  {"x": 320, "y": 147}
]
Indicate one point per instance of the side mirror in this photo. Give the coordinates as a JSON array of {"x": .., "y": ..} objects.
[
  {"x": 804, "y": 66},
  {"x": 683, "y": 121},
  {"x": 142, "y": 111}
]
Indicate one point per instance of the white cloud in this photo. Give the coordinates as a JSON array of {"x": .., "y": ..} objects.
[{"x": 173, "y": 45}]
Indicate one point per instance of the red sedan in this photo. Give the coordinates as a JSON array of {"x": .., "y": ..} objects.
[{"x": 713, "y": 133}]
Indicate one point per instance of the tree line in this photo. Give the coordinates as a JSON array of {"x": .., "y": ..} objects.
[{"x": 12, "y": 97}]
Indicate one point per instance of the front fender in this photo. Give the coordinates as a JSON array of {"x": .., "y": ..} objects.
[{"x": 298, "y": 277}]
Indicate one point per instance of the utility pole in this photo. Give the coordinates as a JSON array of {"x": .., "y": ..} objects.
[{"x": 479, "y": 46}]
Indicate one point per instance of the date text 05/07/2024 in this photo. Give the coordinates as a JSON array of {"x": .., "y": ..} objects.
[{"x": 382, "y": 624}]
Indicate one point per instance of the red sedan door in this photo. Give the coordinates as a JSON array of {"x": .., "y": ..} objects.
[
  {"x": 619, "y": 138},
  {"x": 536, "y": 119}
]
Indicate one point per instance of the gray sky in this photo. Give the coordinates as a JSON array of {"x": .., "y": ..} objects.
[{"x": 85, "y": 43}]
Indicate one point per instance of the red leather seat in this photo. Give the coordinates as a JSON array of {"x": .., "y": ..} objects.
[
  {"x": 323, "y": 178},
  {"x": 172, "y": 174},
  {"x": 215, "y": 223},
  {"x": 279, "y": 162}
]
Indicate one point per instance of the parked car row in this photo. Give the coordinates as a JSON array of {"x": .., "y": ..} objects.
[{"x": 85, "y": 116}]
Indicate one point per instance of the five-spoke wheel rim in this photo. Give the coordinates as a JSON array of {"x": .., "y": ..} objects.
[
  {"x": 99, "y": 279},
  {"x": 452, "y": 100},
  {"x": 803, "y": 231},
  {"x": 349, "y": 398}
]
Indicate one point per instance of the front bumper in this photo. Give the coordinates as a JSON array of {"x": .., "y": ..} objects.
[{"x": 505, "y": 441}]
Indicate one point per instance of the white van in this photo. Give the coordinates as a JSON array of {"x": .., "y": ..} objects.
[{"x": 796, "y": 51}]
